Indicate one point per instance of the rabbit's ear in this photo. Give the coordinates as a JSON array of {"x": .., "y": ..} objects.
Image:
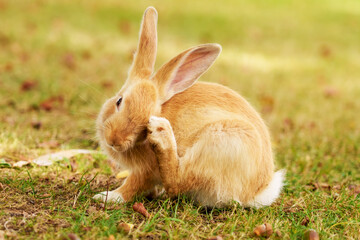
[
  {"x": 144, "y": 58},
  {"x": 183, "y": 70}
]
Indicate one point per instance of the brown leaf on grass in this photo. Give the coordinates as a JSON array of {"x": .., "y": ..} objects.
[
  {"x": 50, "y": 103},
  {"x": 28, "y": 85},
  {"x": 278, "y": 234},
  {"x": 324, "y": 186},
  {"x": 215, "y": 238},
  {"x": 319, "y": 186},
  {"x": 73, "y": 236},
  {"x": 68, "y": 61},
  {"x": 125, "y": 227},
  {"x": 311, "y": 234},
  {"x": 47, "y": 105},
  {"x": 36, "y": 124},
  {"x": 264, "y": 230},
  {"x": 86, "y": 228},
  {"x": 111, "y": 237},
  {"x": 305, "y": 221},
  {"x": 1, "y": 187},
  {"x": 139, "y": 207}
]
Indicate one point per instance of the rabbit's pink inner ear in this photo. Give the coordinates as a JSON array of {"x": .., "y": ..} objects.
[{"x": 193, "y": 66}]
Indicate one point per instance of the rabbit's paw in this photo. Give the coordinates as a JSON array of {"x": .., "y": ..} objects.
[
  {"x": 112, "y": 196},
  {"x": 160, "y": 133}
]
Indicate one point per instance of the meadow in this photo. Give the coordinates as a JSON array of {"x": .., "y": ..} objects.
[{"x": 296, "y": 62}]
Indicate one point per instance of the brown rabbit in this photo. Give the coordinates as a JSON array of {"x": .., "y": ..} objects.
[{"x": 200, "y": 139}]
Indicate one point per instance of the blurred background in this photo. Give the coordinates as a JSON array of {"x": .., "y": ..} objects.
[{"x": 297, "y": 62}]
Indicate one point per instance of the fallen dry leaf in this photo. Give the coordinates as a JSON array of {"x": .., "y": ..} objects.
[
  {"x": 264, "y": 230},
  {"x": 139, "y": 207},
  {"x": 111, "y": 237},
  {"x": 86, "y": 228},
  {"x": 311, "y": 234},
  {"x": 50, "y": 103},
  {"x": 305, "y": 221},
  {"x": 125, "y": 227},
  {"x": 20, "y": 164},
  {"x": 28, "y": 85},
  {"x": 36, "y": 124},
  {"x": 320, "y": 186},
  {"x": 73, "y": 236},
  {"x": 216, "y": 238},
  {"x": 47, "y": 105},
  {"x": 49, "y": 159}
]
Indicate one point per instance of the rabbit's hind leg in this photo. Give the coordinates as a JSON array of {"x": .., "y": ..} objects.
[{"x": 229, "y": 161}]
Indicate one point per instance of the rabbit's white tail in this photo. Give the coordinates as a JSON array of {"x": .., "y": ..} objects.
[{"x": 269, "y": 194}]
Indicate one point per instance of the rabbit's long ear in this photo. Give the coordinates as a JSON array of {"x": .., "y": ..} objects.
[
  {"x": 144, "y": 58},
  {"x": 182, "y": 71}
]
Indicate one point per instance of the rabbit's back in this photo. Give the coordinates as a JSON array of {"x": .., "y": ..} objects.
[{"x": 206, "y": 103}]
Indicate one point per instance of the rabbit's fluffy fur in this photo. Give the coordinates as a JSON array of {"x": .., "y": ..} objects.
[{"x": 195, "y": 138}]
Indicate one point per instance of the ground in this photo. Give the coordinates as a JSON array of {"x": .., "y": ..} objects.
[{"x": 297, "y": 62}]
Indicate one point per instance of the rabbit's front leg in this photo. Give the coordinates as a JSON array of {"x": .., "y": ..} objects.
[{"x": 162, "y": 140}]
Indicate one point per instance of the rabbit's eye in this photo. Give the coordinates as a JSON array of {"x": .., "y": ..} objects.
[{"x": 118, "y": 102}]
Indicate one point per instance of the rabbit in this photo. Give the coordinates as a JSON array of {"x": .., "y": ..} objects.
[{"x": 195, "y": 138}]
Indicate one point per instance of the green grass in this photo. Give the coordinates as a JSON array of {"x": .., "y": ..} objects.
[{"x": 297, "y": 62}]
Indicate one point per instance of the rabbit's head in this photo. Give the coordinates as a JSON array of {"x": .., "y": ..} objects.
[{"x": 123, "y": 120}]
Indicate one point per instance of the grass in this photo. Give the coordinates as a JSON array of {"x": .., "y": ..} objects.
[{"x": 297, "y": 62}]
